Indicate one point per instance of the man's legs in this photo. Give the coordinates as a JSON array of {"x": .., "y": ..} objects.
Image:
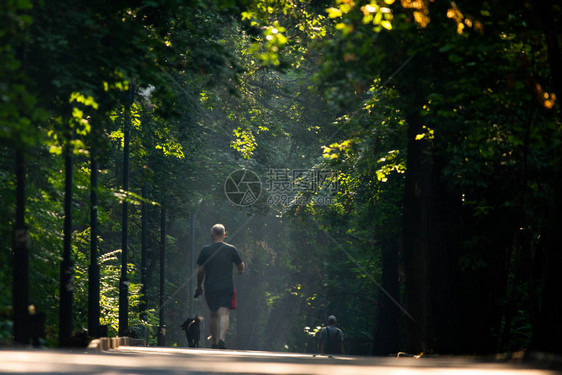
[
  {"x": 224, "y": 322},
  {"x": 214, "y": 325},
  {"x": 220, "y": 321}
]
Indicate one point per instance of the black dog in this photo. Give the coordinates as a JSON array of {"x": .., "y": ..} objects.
[{"x": 192, "y": 331}]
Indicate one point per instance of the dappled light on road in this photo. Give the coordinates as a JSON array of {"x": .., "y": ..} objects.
[{"x": 148, "y": 360}]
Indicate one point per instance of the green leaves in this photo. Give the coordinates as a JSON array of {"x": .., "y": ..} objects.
[
  {"x": 18, "y": 108},
  {"x": 245, "y": 142},
  {"x": 390, "y": 163}
]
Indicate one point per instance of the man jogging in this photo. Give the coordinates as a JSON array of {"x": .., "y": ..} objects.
[{"x": 215, "y": 267}]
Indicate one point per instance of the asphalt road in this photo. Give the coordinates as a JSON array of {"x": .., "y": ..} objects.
[{"x": 168, "y": 361}]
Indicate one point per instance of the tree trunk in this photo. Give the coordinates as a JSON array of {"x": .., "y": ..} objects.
[
  {"x": 144, "y": 260},
  {"x": 416, "y": 241},
  {"x": 547, "y": 327},
  {"x": 162, "y": 323},
  {"x": 93, "y": 270},
  {"x": 432, "y": 245},
  {"x": 386, "y": 335},
  {"x": 20, "y": 295},
  {"x": 124, "y": 279},
  {"x": 192, "y": 266},
  {"x": 67, "y": 266}
]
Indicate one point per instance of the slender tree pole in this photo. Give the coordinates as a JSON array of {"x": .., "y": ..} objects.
[
  {"x": 21, "y": 257},
  {"x": 124, "y": 279},
  {"x": 93, "y": 270},
  {"x": 548, "y": 326},
  {"x": 67, "y": 265},
  {"x": 192, "y": 265},
  {"x": 162, "y": 325},
  {"x": 144, "y": 228}
]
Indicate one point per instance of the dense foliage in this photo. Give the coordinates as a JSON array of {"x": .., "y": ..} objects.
[{"x": 409, "y": 155}]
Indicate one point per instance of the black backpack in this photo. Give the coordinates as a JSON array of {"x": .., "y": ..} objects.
[{"x": 332, "y": 345}]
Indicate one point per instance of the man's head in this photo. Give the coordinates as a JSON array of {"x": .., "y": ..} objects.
[
  {"x": 218, "y": 232},
  {"x": 331, "y": 320}
]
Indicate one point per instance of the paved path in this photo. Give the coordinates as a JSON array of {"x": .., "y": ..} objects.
[{"x": 169, "y": 361}]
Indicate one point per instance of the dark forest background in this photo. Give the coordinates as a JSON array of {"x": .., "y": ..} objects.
[{"x": 409, "y": 153}]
